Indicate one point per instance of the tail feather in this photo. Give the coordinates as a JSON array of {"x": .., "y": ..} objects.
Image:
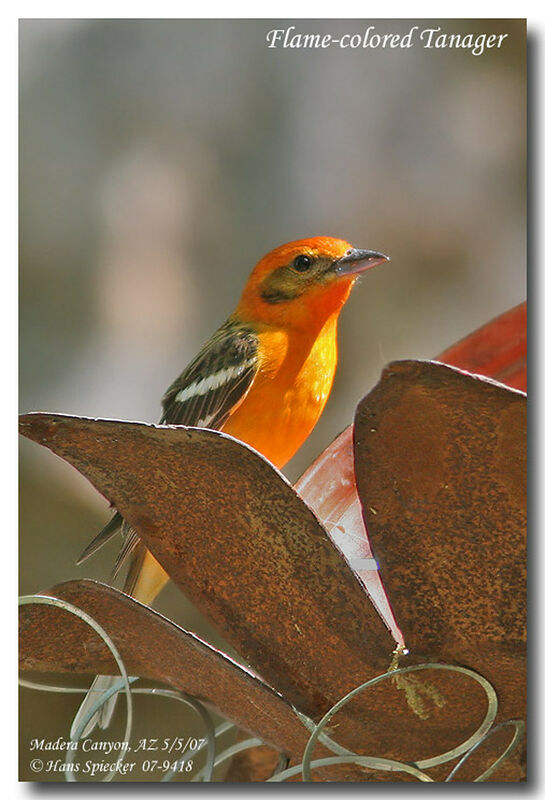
[
  {"x": 103, "y": 716},
  {"x": 107, "y": 533},
  {"x": 144, "y": 580},
  {"x": 128, "y": 550}
]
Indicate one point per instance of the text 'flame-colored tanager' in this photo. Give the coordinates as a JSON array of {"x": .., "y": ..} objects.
[{"x": 264, "y": 377}]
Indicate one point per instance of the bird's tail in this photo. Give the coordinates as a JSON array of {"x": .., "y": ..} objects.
[
  {"x": 103, "y": 716},
  {"x": 144, "y": 581}
]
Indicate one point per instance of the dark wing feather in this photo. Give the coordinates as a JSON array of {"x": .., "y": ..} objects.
[{"x": 215, "y": 382}]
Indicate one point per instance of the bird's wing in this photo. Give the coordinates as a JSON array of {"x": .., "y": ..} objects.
[
  {"x": 215, "y": 382},
  {"x": 204, "y": 396}
]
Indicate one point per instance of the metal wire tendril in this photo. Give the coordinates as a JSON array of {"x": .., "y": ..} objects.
[{"x": 307, "y": 765}]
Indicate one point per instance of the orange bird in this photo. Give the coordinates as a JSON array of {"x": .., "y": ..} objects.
[{"x": 264, "y": 377}]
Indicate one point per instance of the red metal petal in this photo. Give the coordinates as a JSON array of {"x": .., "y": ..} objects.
[
  {"x": 497, "y": 350},
  {"x": 329, "y": 487}
]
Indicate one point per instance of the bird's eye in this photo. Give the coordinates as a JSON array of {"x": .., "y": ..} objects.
[{"x": 302, "y": 263}]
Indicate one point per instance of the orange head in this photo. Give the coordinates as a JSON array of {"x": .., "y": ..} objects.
[{"x": 303, "y": 283}]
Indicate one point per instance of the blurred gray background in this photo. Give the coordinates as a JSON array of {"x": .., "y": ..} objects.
[{"x": 160, "y": 159}]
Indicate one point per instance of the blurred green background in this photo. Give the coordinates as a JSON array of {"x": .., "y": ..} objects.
[{"x": 160, "y": 159}]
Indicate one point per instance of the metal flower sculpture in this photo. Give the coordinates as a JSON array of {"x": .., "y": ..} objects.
[{"x": 379, "y": 603}]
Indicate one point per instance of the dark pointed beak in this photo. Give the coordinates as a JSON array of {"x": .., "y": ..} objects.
[{"x": 356, "y": 261}]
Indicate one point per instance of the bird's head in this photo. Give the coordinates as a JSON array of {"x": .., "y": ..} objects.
[{"x": 304, "y": 281}]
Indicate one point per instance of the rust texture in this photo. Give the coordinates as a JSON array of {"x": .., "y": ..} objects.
[
  {"x": 232, "y": 533},
  {"x": 51, "y": 640},
  {"x": 498, "y": 349},
  {"x": 441, "y": 471},
  {"x": 251, "y": 766},
  {"x": 153, "y": 647},
  {"x": 239, "y": 541}
]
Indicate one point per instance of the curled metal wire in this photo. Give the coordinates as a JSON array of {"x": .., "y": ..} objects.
[
  {"x": 465, "y": 749},
  {"x": 123, "y": 684},
  {"x": 341, "y": 755},
  {"x": 77, "y": 612},
  {"x": 518, "y": 732}
]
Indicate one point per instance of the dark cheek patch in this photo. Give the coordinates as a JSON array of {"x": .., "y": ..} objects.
[
  {"x": 272, "y": 295},
  {"x": 281, "y": 286}
]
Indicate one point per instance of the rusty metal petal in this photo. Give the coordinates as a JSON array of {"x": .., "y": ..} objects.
[
  {"x": 153, "y": 647},
  {"x": 156, "y": 648},
  {"x": 231, "y": 532},
  {"x": 237, "y": 538},
  {"x": 440, "y": 458}
]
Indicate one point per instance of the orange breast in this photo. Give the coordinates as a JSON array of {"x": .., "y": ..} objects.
[{"x": 289, "y": 392}]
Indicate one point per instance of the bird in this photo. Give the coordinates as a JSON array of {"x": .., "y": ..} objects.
[{"x": 263, "y": 377}]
